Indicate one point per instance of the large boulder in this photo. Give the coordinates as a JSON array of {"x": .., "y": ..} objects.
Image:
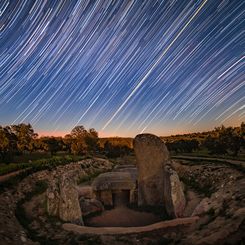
[
  {"x": 174, "y": 197},
  {"x": 62, "y": 199},
  {"x": 85, "y": 192},
  {"x": 69, "y": 207},
  {"x": 90, "y": 206},
  {"x": 131, "y": 169},
  {"x": 152, "y": 156}
]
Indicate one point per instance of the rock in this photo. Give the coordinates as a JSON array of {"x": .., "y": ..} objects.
[
  {"x": 62, "y": 198},
  {"x": 90, "y": 206},
  {"x": 53, "y": 197},
  {"x": 111, "y": 184},
  {"x": 240, "y": 213},
  {"x": 152, "y": 156},
  {"x": 132, "y": 170},
  {"x": 113, "y": 181},
  {"x": 202, "y": 208},
  {"x": 69, "y": 207},
  {"x": 23, "y": 239},
  {"x": 85, "y": 191},
  {"x": 174, "y": 197}
]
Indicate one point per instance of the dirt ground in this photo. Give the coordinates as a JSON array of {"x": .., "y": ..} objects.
[{"x": 122, "y": 217}]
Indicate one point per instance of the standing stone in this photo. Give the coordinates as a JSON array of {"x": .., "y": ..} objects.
[
  {"x": 152, "y": 156},
  {"x": 62, "y": 198},
  {"x": 69, "y": 207},
  {"x": 174, "y": 197},
  {"x": 53, "y": 198}
]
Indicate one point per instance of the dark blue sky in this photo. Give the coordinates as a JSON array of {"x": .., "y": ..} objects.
[{"x": 122, "y": 67}]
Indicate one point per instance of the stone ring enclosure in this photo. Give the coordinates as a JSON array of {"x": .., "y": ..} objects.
[
  {"x": 155, "y": 201},
  {"x": 151, "y": 183}
]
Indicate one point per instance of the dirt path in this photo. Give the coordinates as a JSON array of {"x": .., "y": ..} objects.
[
  {"x": 122, "y": 217},
  {"x": 129, "y": 230},
  {"x": 232, "y": 162},
  {"x": 5, "y": 177}
]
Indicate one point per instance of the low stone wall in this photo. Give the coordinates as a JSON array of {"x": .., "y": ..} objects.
[
  {"x": 221, "y": 212},
  {"x": 11, "y": 232},
  {"x": 130, "y": 230}
]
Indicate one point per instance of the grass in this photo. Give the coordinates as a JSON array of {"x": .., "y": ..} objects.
[
  {"x": 39, "y": 164},
  {"x": 37, "y": 155},
  {"x": 8, "y": 168},
  {"x": 204, "y": 153}
]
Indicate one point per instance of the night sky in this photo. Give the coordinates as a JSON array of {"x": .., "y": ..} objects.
[{"x": 122, "y": 67}]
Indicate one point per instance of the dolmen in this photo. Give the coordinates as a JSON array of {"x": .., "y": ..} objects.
[
  {"x": 153, "y": 182},
  {"x": 115, "y": 188}
]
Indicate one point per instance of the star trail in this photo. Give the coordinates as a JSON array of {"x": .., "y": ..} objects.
[{"x": 122, "y": 67}]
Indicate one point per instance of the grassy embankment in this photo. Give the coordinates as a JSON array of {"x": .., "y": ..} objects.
[{"x": 40, "y": 163}]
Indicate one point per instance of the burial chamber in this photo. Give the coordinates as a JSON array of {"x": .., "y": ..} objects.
[
  {"x": 152, "y": 183},
  {"x": 136, "y": 195},
  {"x": 115, "y": 188}
]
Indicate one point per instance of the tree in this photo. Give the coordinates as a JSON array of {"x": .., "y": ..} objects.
[
  {"x": 25, "y": 137},
  {"x": 242, "y": 134},
  {"x": 68, "y": 142},
  {"x": 78, "y": 135},
  {"x": 116, "y": 150},
  {"x": 225, "y": 141},
  {"x": 8, "y": 143},
  {"x": 184, "y": 146},
  {"x": 230, "y": 139},
  {"x": 4, "y": 142},
  {"x": 92, "y": 140},
  {"x": 79, "y": 132},
  {"x": 242, "y": 129},
  {"x": 51, "y": 144}
]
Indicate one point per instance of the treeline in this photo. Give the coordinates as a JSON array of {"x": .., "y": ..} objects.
[
  {"x": 221, "y": 141},
  {"x": 183, "y": 146},
  {"x": 21, "y": 139},
  {"x": 128, "y": 142},
  {"x": 116, "y": 146},
  {"x": 226, "y": 140}
]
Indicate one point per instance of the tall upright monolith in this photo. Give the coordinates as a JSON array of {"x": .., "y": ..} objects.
[{"x": 152, "y": 156}]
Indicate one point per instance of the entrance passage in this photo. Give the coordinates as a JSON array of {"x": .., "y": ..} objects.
[{"x": 121, "y": 198}]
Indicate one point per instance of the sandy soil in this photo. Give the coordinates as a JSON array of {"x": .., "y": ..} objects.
[{"x": 122, "y": 217}]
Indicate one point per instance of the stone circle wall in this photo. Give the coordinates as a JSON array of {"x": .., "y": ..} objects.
[{"x": 11, "y": 232}]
